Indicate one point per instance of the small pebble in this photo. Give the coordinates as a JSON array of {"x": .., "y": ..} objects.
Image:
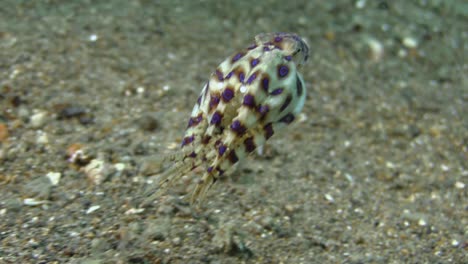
[
  {"x": 96, "y": 171},
  {"x": 38, "y": 119},
  {"x": 54, "y": 177},
  {"x": 42, "y": 138}
]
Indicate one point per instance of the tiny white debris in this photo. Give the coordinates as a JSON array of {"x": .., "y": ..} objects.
[
  {"x": 459, "y": 185},
  {"x": 376, "y": 49},
  {"x": 347, "y": 143},
  {"x": 42, "y": 138},
  {"x": 329, "y": 198},
  {"x": 93, "y": 37},
  {"x": 173, "y": 146},
  {"x": 444, "y": 167},
  {"x": 302, "y": 118},
  {"x": 455, "y": 243},
  {"x": 410, "y": 42},
  {"x": 140, "y": 89},
  {"x": 171, "y": 56},
  {"x": 360, "y": 4},
  {"x": 390, "y": 165},
  {"x": 422, "y": 222},
  {"x": 3, "y": 211},
  {"x": 243, "y": 89},
  {"x": 402, "y": 53},
  {"x": 119, "y": 166},
  {"x": 92, "y": 209},
  {"x": 33, "y": 202},
  {"x": 220, "y": 85},
  {"x": 14, "y": 73},
  {"x": 54, "y": 177},
  {"x": 349, "y": 177},
  {"x": 359, "y": 211},
  {"x": 166, "y": 87},
  {"x": 134, "y": 211},
  {"x": 74, "y": 234}
]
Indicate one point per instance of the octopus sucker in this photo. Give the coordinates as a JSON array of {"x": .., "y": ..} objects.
[{"x": 251, "y": 94}]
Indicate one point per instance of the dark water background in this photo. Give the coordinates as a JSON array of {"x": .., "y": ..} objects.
[{"x": 374, "y": 172}]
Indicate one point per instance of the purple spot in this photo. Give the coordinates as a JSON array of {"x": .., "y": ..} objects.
[
  {"x": 229, "y": 75},
  {"x": 219, "y": 74},
  {"x": 216, "y": 118},
  {"x": 193, "y": 154},
  {"x": 241, "y": 77},
  {"x": 265, "y": 83},
  {"x": 191, "y": 122},
  {"x": 268, "y": 131},
  {"x": 277, "y": 91},
  {"x": 237, "y": 57},
  {"x": 249, "y": 100},
  {"x": 237, "y": 127},
  {"x": 266, "y": 48},
  {"x": 254, "y": 62},
  {"x": 214, "y": 101},
  {"x": 287, "y": 118},
  {"x": 227, "y": 95},
  {"x": 199, "y": 118},
  {"x": 199, "y": 100},
  {"x": 222, "y": 149},
  {"x": 210, "y": 169},
  {"x": 220, "y": 171},
  {"x": 188, "y": 140},
  {"x": 288, "y": 58},
  {"x": 283, "y": 71},
  {"x": 263, "y": 109},
  {"x": 251, "y": 78},
  {"x": 278, "y": 39}
]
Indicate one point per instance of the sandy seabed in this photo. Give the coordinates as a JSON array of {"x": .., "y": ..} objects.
[{"x": 374, "y": 171}]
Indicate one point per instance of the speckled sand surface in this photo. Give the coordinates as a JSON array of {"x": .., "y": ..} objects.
[{"x": 376, "y": 171}]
